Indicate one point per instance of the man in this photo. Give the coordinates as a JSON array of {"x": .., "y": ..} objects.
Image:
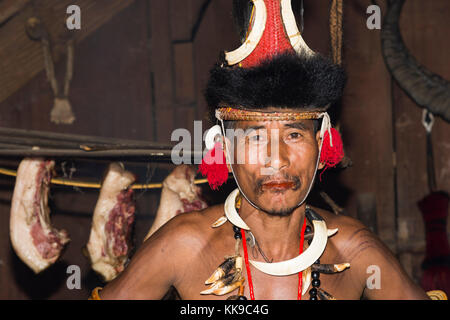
[
  {"x": 276, "y": 90},
  {"x": 185, "y": 251}
]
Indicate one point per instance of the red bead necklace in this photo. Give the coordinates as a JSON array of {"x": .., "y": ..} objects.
[{"x": 247, "y": 265}]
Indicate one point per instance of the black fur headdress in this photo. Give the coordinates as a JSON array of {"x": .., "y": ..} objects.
[{"x": 287, "y": 80}]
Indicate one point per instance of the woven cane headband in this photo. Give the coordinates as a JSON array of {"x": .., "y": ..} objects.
[{"x": 247, "y": 115}]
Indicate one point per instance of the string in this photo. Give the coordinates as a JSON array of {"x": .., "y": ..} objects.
[
  {"x": 300, "y": 274},
  {"x": 247, "y": 265}
]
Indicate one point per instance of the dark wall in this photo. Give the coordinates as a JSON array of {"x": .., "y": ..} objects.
[{"x": 382, "y": 129}]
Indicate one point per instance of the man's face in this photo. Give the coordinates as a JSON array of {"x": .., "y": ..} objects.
[{"x": 274, "y": 162}]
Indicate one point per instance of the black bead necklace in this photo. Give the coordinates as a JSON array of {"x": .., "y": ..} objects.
[
  {"x": 315, "y": 275},
  {"x": 315, "y": 283}
]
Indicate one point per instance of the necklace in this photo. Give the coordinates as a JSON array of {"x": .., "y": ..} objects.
[
  {"x": 229, "y": 275},
  {"x": 247, "y": 265},
  {"x": 287, "y": 267}
]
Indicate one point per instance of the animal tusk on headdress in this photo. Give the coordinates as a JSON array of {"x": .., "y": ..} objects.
[
  {"x": 236, "y": 56},
  {"x": 292, "y": 31},
  {"x": 326, "y": 126},
  {"x": 305, "y": 259}
]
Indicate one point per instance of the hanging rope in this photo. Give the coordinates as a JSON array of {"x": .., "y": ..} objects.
[
  {"x": 336, "y": 13},
  {"x": 336, "y": 31},
  {"x": 428, "y": 122},
  {"x": 62, "y": 110}
]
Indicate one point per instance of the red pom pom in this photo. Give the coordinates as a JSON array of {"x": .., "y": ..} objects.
[
  {"x": 331, "y": 155},
  {"x": 214, "y": 167}
]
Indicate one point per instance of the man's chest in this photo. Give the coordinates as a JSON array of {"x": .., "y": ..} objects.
[{"x": 340, "y": 285}]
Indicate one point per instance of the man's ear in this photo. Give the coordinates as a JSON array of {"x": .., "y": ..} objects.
[{"x": 318, "y": 140}]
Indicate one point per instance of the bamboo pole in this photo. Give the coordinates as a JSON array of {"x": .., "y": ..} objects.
[
  {"x": 80, "y": 139},
  {"x": 147, "y": 154},
  {"x": 31, "y": 143},
  {"x": 24, "y": 142},
  {"x": 94, "y": 185}
]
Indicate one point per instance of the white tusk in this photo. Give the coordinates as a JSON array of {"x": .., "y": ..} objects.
[
  {"x": 217, "y": 285},
  {"x": 253, "y": 38},
  {"x": 292, "y": 31},
  {"x": 306, "y": 259},
  {"x": 330, "y": 268},
  {"x": 323, "y": 295},
  {"x": 231, "y": 213},
  {"x": 306, "y": 280},
  {"x": 219, "y": 222},
  {"x": 332, "y": 232},
  {"x": 239, "y": 263},
  {"x": 224, "y": 269},
  {"x": 227, "y": 289}
]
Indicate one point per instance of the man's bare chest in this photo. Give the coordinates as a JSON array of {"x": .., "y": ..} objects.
[{"x": 341, "y": 285}]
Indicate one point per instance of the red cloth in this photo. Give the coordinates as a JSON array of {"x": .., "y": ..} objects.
[
  {"x": 331, "y": 155},
  {"x": 436, "y": 265},
  {"x": 274, "y": 39},
  {"x": 214, "y": 167}
]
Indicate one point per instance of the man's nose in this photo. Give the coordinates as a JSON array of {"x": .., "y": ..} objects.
[{"x": 277, "y": 153}]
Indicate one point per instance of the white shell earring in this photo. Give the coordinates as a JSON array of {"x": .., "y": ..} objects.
[{"x": 210, "y": 138}]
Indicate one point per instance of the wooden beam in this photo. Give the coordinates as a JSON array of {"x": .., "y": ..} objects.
[
  {"x": 9, "y": 8},
  {"x": 21, "y": 58}
]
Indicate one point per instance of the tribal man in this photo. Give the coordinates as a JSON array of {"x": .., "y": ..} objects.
[{"x": 265, "y": 242}]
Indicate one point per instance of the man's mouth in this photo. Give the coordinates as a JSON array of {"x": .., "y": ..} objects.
[{"x": 278, "y": 185}]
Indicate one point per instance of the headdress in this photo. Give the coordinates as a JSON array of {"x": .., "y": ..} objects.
[{"x": 273, "y": 68}]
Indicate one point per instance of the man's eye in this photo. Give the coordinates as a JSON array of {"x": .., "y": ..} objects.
[
  {"x": 294, "y": 135},
  {"x": 255, "y": 138}
]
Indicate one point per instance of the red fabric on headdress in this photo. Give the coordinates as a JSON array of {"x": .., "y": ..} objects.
[
  {"x": 331, "y": 155},
  {"x": 274, "y": 39},
  {"x": 214, "y": 167}
]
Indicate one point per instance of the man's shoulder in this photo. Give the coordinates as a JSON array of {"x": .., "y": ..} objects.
[
  {"x": 352, "y": 234},
  {"x": 191, "y": 228},
  {"x": 194, "y": 220},
  {"x": 344, "y": 222}
]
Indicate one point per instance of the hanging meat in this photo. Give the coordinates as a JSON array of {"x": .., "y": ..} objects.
[
  {"x": 109, "y": 242},
  {"x": 179, "y": 195},
  {"x": 33, "y": 238}
]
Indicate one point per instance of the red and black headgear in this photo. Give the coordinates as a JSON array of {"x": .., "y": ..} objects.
[{"x": 274, "y": 68}]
